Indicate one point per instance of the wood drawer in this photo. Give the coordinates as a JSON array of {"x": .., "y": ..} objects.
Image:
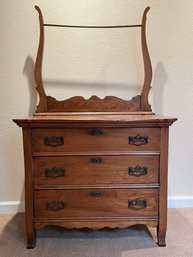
[
  {"x": 95, "y": 140},
  {"x": 84, "y": 170},
  {"x": 96, "y": 203}
]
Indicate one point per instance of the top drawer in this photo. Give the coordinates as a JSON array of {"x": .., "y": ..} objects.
[{"x": 95, "y": 139}]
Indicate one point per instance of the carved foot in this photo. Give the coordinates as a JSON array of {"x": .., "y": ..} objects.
[
  {"x": 161, "y": 235},
  {"x": 31, "y": 244},
  {"x": 31, "y": 239},
  {"x": 161, "y": 243}
]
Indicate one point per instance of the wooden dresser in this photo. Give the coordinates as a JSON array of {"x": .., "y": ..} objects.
[{"x": 95, "y": 163}]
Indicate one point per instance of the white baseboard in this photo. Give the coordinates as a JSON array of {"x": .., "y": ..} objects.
[
  {"x": 11, "y": 206},
  {"x": 180, "y": 201},
  {"x": 173, "y": 202}
]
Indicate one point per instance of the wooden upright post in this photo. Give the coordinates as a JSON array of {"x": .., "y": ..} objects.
[
  {"x": 145, "y": 106},
  {"x": 42, "y": 106}
]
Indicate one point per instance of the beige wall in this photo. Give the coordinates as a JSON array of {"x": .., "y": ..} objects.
[{"x": 99, "y": 62}]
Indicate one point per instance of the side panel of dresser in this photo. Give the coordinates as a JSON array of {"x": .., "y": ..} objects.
[
  {"x": 162, "y": 224},
  {"x": 29, "y": 221}
]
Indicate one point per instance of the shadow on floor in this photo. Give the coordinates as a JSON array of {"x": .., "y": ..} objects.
[{"x": 54, "y": 241}]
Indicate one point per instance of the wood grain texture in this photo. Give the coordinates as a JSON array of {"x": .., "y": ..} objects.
[
  {"x": 95, "y": 120},
  {"x": 81, "y": 140},
  {"x": 30, "y": 230},
  {"x": 81, "y": 203},
  {"x": 162, "y": 226},
  {"x": 145, "y": 106},
  {"x": 97, "y": 194},
  {"x": 42, "y": 106},
  {"x": 93, "y": 104},
  {"x": 95, "y": 224},
  {"x": 110, "y": 170}
]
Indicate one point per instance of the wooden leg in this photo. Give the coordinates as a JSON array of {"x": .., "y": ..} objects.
[
  {"x": 31, "y": 239},
  {"x": 161, "y": 235},
  {"x": 30, "y": 230}
]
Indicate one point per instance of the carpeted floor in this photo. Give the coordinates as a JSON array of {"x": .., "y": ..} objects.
[{"x": 135, "y": 241}]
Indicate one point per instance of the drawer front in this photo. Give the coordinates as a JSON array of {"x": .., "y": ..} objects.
[
  {"x": 96, "y": 203},
  {"x": 94, "y": 140},
  {"x": 82, "y": 170}
]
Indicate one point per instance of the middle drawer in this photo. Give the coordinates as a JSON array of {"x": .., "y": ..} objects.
[{"x": 90, "y": 170}]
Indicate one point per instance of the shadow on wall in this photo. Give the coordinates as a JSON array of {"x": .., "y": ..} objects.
[
  {"x": 28, "y": 71},
  {"x": 75, "y": 87},
  {"x": 128, "y": 90},
  {"x": 86, "y": 84},
  {"x": 88, "y": 89},
  {"x": 160, "y": 79}
]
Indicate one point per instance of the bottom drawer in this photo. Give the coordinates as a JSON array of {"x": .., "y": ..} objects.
[{"x": 99, "y": 203}]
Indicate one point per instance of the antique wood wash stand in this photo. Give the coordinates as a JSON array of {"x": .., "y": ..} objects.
[{"x": 95, "y": 163}]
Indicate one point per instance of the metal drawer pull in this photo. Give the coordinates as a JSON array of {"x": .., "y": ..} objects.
[
  {"x": 137, "y": 171},
  {"x": 96, "y": 132},
  {"x": 96, "y": 160},
  {"x": 138, "y": 140},
  {"x": 54, "y": 172},
  {"x": 95, "y": 194},
  {"x": 55, "y": 205},
  {"x": 53, "y": 140},
  {"x": 137, "y": 204}
]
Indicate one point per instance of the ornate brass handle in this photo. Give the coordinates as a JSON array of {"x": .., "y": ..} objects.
[
  {"x": 55, "y": 205},
  {"x": 138, "y": 140},
  {"x": 137, "y": 171},
  {"x": 137, "y": 204},
  {"x": 54, "y": 172},
  {"x": 96, "y": 132},
  {"x": 53, "y": 140},
  {"x": 96, "y": 160},
  {"x": 95, "y": 194}
]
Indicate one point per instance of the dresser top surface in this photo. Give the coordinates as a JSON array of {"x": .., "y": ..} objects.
[{"x": 100, "y": 119}]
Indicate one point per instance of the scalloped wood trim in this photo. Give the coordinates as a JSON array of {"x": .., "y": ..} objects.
[{"x": 93, "y": 104}]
